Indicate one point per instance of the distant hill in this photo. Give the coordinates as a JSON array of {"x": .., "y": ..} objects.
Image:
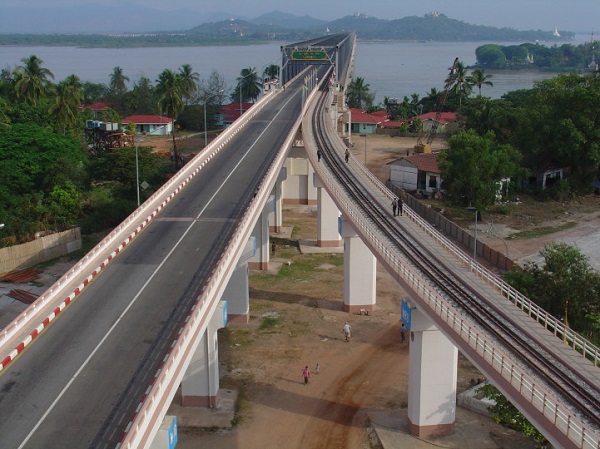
[
  {"x": 434, "y": 27},
  {"x": 278, "y": 26}
]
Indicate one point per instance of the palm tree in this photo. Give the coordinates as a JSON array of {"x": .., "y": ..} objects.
[
  {"x": 170, "y": 100},
  {"x": 248, "y": 87},
  {"x": 189, "y": 81},
  {"x": 69, "y": 94},
  {"x": 118, "y": 82},
  {"x": 479, "y": 78},
  {"x": 358, "y": 94},
  {"x": 4, "y": 111},
  {"x": 457, "y": 81},
  {"x": 271, "y": 72},
  {"x": 31, "y": 80}
]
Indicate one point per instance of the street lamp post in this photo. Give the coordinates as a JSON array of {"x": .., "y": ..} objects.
[
  {"x": 137, "y": 174},
  {"x": 365, "y": 136},
  {"x": 474, "y": 209}
]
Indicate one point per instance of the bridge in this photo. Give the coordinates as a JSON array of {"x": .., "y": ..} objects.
[{"x": 107, "y": 347}]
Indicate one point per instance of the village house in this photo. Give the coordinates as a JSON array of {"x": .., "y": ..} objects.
[
  {"x": 361, "y": 122},
  {"x": 417, "y": 173},
  {"x": 430, "y": 121},
  {"x": 156, "y": 125}
]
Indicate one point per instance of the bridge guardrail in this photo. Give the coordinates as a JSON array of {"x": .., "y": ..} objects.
[
  {"x": 152, "y": 408},
  {"x": 53, "y": 304}
]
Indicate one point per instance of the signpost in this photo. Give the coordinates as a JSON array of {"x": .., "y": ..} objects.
[{"x": 405, "y": 313}]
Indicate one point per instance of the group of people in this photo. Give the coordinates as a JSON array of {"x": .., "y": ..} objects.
[
  {"x": 397, "y": 206},
  {"x": 306, "y": 373}
]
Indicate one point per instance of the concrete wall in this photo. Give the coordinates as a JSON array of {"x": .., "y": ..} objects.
[{"x": 40, "y": 250}]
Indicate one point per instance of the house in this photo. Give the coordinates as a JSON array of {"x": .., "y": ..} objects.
[
  {"x": 156, "y": 125},
  {"x": 96, "y": 108},
  {"x": 361, "y": 122},
  {"x": 229, "y": 113},
  {"x": 430, "y": 121},
  {"x": 418, "y": 172}
]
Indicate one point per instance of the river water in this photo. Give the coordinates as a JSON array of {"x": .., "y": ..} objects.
[{"x": 392, "y": 69}]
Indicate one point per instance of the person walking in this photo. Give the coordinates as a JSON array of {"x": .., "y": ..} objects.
[
  {"x": 402, "y": 332},
  {"x": 347, "y": 155},
  {"x": 395, "y": 205},
  {"x": 400, "y": 204},
  {"x": 346, "y": 331},
  {"x": 317, "y": 369},
  {"x": 305, "y": 374},
  {"x": 319, "y": 154}
]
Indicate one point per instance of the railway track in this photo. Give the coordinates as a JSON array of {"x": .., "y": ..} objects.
[{"x": 534, "y": 355}]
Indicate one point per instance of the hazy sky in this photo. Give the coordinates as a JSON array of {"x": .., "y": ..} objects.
[{"x": 572, "y": 15}]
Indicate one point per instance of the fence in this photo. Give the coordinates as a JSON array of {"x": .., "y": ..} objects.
[
  {"x": 40, "y": 250},
  {"x": 452, "y": 230}
]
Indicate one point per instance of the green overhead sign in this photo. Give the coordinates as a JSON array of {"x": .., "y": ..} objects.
[{"x": 309, "y": 55}]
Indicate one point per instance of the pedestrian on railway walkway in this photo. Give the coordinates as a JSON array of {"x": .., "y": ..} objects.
[
  {"x": 395, "y": 205},
  {"x": 347, "y": 155},
  {"x": 319, "y": 154},
  {"x": 400, "y": 204}
]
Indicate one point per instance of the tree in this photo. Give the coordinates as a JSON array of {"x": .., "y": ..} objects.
[
  {"x": 473, "y": 166},
  {"x": 4, "y": 111},
  {"x": 32, "y": 80},
  {"x": 565, "y": 285},
  {"x": 358, "y": 94},
  {"x": 142, "y": 98},
  {"x": 479, "y": 78},
  {"x": 170, "y": 102},
  {"x": 490, "y": 55},
  {"x": 560, "y": 124},
  {"x": 189, "y": 81},
  {"x": 118, "y": 82},
  {"x": 67, "y": 101},
  {"x": 457, "y": 82},
  {"x": 248, "y": 86},
  {"x": 271, "y": 72}
]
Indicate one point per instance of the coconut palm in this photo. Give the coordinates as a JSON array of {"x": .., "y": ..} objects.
[
  {"x": 457, "y": 81},
  {"x": 358, "y": 94},
  {"x": 32, "y": 80},
  {"x": 170, "y": 101},
  {"x": 248, "y": 87},
  {"x": 69, "y": 94},
  {"x": 189, "y": 81},
  {"x": 479, "y": 78},
  {"x": 118, "y": 81},
  {"x": 271, "y": 72}
]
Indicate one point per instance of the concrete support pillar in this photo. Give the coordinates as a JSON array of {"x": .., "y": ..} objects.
[
  {"x": 312, "y": 192},
  {"x": 236, "y": 294},
  {"x": 328, "y": 215},
  {"x": 200, "y": 385},
  {"x": 260, "y": 260},
  {"x": 360, "y": 270},
  {"x": 431, "y": 379},
  {"x": 276, "y": 216}
]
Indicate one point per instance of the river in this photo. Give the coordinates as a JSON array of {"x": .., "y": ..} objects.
[{"x": 392, "y": 69}]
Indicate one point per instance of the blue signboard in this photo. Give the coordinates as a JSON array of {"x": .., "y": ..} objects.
[
  {"x": 172, "y": 433},
  {"x": 405, "y": 313},
  {"x": 224, "y": 313}
]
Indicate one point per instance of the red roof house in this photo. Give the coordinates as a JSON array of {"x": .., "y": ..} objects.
[
  {"x": 418, "y": 172},
  {"x": 157, "y": 125}
]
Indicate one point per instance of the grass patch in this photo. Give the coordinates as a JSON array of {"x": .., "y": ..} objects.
[
  {"x": 541, "y": 231},
  {"x": 268, "y": 322},
  {"x": 236, "y": 337}
]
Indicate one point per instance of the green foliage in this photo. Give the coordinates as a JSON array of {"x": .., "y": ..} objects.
[
  {"x": 473, "y": 166},
  {"x": 358, "y": 94},
  {"x": 503, "y": 412},
  {"x": 105, "y": 208},
  {"x": 565, "y": 285},
  {"x": 268, "y": 322}
]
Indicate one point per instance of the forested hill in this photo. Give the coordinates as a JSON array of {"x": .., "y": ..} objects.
[
  {"x": 276, "y": 27},
  {"x": 436, "y": 27}
]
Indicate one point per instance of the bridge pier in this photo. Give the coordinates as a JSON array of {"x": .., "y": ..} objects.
[
  {"x": 432, "y": 379},
  {"x": 276, "y": 217},
  {"x": 200, "y": 384},
  {"x": 328, "y": 217},
  {"x": 237, "y": 291},
  {"x": 260, "y": 259},
  {"x": 360, "y": 270},
  {"x": 298, "y": 187}
]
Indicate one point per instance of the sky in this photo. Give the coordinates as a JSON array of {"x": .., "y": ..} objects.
[{"x": 571, "y": 15}]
